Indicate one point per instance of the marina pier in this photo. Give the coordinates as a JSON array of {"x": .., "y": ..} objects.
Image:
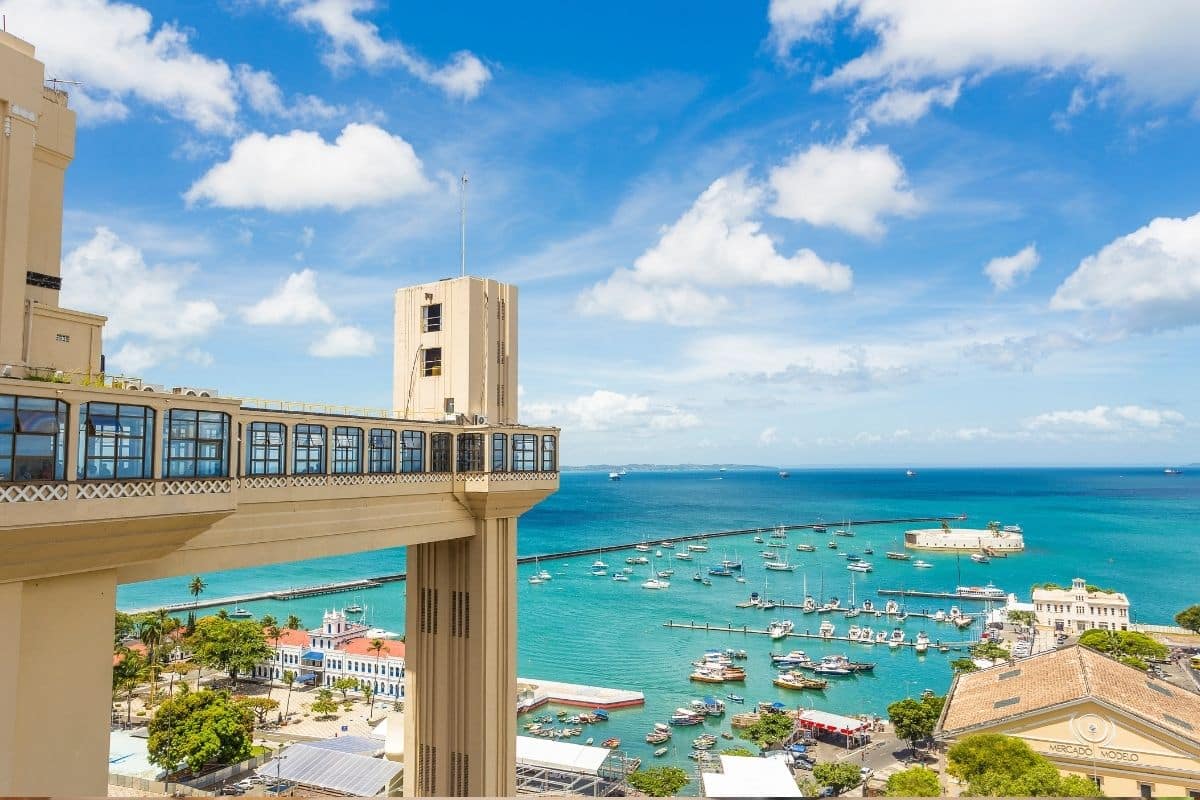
[
  {"x": 942, "y": 595},
  {"x": 746, "y": 629}
]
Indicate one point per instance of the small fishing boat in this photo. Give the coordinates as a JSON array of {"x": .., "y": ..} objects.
[
  {"x": 589, "y": 741},
  {"x": 894, "y": 556},
  {"x": 806, "y": 548},
  {"x": 660, "y": 752},
  {"x": 740, "y": 579},
  {"x": 735, "y": 698},
  {"x": 851, "y": 557},
  {"x": 794, "y": 680},
  {"x": 726, "y": 735},
  {"x": 611, "y": 744}
]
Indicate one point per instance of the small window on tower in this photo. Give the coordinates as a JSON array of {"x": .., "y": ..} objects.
[
  {"x": 431, "y": 318},
  {"x": 433, "y": 362}
]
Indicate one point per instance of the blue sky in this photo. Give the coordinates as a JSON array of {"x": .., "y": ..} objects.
[{"x": 821, "y": 232}]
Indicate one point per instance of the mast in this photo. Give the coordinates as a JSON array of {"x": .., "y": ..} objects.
[{"x": 462, "y": 224}]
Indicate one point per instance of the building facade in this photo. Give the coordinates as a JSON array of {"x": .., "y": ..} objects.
[
  {"x": 1080, "y": 608},
  {"x": 1089, "y": 715},
  {"x": 339, "y": 648}
]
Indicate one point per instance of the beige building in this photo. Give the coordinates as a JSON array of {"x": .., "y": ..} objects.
[
  {"x": 1091, "y": 716},
  {"x": 1080, "y": 608},
  {"x": 105, "y": 482}
]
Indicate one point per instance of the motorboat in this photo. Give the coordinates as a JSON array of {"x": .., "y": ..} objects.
[
  {"x": 535, "y": 580},
  {"x": 980, "y": 558},
  {"x": 891, "y": 607},
  {"x": 881, "y": 637},
  {"x": 780, "y": 566},
  {"x": 758, "y": 539},
  {"x": 819, "y": 529},
  {"x": 783, "y": 473},
  {"x": 831, "y": 666},
  {"x": 833, "y": 604},
  {"x": 720, "y": 572},
  {"x": 684, "y": 716},
  {"x": 851, "y": 557},
  {"x": 740, "y": 579},
  {"x": 1012, "y": 529},
  {"x": 806, "y": 548},
  {"x": 667, "y": 545},
  {"x": 666, "y": 573},
  {"x": 831, "y": 545},
  {"x": 859, "y": 566},
  {"x": 614, "y": 476},
  {"x": 701, "y": 547},
  {"x": 642, "y": 548},
  {"x": 780, "y": 532},
  {"x": 810, "y": 605},
  {"x": 919, "y": 564},
  {"x": 793, "y": 659},
  {"x": 705, "y": 582},
  {"x": 241, "y": 613},
  {"x": 779, "y": 629},
  {"x": 854, "y": 633},
  {"x": 826, "y": 630},
  {"x": 776, "y": 544},
  {"x": 637, "y": 560},
  {"x": 684, "y": 556},
  {"x": 897, "y": 638},
  {"x": 621, "y": 577},
  {"x": 598, "y": 572},
  {"x": 769, "y": 555},
  {"x": 908, "y": 473},
  {"x": 868, "y": 606},
  {"x": 658, "y": 554},
  {"x": 611, "y": 744},
  {"x": 853, "y": 612},
  {"x": 697, "y": 577},
  {"x": 729, "y": 563},
  {"x": 921, "y": 642},
  {"x": 894, "y": 556},
  {"x": 708, "y": 675},
  {"x": 735, "y": 698},
  {"x": 660, "y": 752},
  {"x": 869, "y": 551},
  {"x": 939, "y": 616},
  {"x": 794, "y": 680},
  {"x": 656, "y": 583},
  {"x": 866, "y": 636},
  {"x": 989, "y": 592}
]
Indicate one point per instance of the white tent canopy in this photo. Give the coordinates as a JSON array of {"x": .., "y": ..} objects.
[
  {"x": 562, "y": 756},
  {"x": 345, "y": 773},
  {"x": 745, "y": 776}
]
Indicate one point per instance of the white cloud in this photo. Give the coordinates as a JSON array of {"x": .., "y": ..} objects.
[
  {"x": 1005, "y": 271},
  {"x": 117, "y": 53},
  {"x": 1149, "y": 278},
  {"x": 768, "y": 437},
  {"x": 344, "y": 341},
  {"x": 264, "y": 96},
  {"x": 715, "y": 244},
  {"x": 296, "y": 301},
  {"x": 1108, "y": 419},
  {"x": 299, "y": 170},
  {"x": 354, "y": 39},
  {"x": 107, "y": 276},
  {"x": 307, "y": 235},
  {"x": 843, "y": 186},
  {"x": 1147, "y": 50},
  {"x": 905, "y": 106},
  {"x": 603, "y": 410}
]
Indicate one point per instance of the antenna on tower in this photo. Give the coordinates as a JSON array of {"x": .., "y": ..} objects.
[
  {"x": 462, "y": 224},
  {"x": 55, "y": 83}
]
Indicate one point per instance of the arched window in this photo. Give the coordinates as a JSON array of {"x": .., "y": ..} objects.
[
  {"x": 115, "y": 442},
  {"x": 347, "y": 450},
  {"x": 266, "y": 448},
  {"x": 32, "y": 438},
  {"x": 195, "y": 444},
  {"x": 309, "y": 449}
]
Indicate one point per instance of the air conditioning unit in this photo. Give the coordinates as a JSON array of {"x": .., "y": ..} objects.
[
  {"x": 450, "y": 418},
  {"x": 130, "y": 384},
  {"x": 191, "y": 391},
  {"x": 153, "y": 387},
  {"x": 479, "y": 419}
]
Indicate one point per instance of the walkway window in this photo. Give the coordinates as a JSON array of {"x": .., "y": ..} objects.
[
  {"x": 431, "y": 318},
  {"x": 382, "y": 452},
  {"x": 115, "y": 441},
  {"x": 347, "y": 450},
  {"x": 309, "y": 449},
  {"x": 195, "y": 444},
  {"x": 32, "y": 438},
  {"x": 412, "y": 451},
  {"x": 439, "y": 452},
  {"x": 524, "y": 452},
  {"x": 499, "y": 452},
  {"x": 470, "y": 452},
  {"x": 266, "y": 448},
  {"x": 549, "y": 453},
  {"x": 432, "y": 362}
]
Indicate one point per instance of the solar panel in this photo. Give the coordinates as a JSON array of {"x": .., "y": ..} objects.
[
  {"x": 1012, "y": 673},
  {"x": 346, "y": 773},
  {"x": 1158, "y": 687},
  {"x": 1012, "y": 701}
]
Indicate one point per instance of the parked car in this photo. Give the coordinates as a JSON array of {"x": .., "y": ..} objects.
[{"x": 231, "y": 790}]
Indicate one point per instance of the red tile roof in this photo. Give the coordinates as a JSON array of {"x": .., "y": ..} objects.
[
  {"x": 287, "y": 636},
  {"x": 362, "y": 647}
]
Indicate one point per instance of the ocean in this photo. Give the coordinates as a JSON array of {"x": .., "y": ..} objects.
[{"x": 1135, "y": 530}]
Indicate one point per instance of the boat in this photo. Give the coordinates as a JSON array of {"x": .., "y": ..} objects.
[
  {"x": 627, "y": 570},
  {"x": 542, "y": 573},
  {"x": 866, "y": 636},
  {"x": 769, "y": 555},
  {"x": 684, "y": 556},
  {"x": 793, "y": 659},
  {"x": 620, "y": 576},
  {"x": 684, "y": 717},
  {"x": 637, "y": 560},
  {"x": 989, "y": 592},
  {"x": 720, "y": 572},
  {"x": 847, "y": 531},
  {"x": 779, "y": 532},
  {"x": 599, "y": 562},
  {"x": 919, "y": 564},
  {"x": 656, "y": 583},
  {"x": 894, "y": 556},
  {"x": 698, "y": 548},
  {"x": 240, "y": 613},
  {"x": 881, "y": 637},
  {"x": 730, "y": 563},
  {"x": 600, "y": 714},
  {"x": 980, "y": 558},
  {"x": 758, "y": 539},
  {"x": 826, "y": 630},
  {"x": 611, "y": 744},
  {"x": 657, "y": 737},
  {"x": 708, "y": 675},
  {"x": 666, "y": 573},
  {"x": 726, "y": 735},
  {"x": 735, "y": 698},
  {"x": 819, "y": 529},
  {"x": 667, "y": 545},
  {"x": 1172, "y": 471},
  {"x": 794, "y": 680},
  {"x": 859, "y": 566},
  {"x": 658, "y": 553},
  {"x": 776, "y": 544},
  {"x": 780, "y": 566},
  {"x": 855, "y": 633},
  {"x": 868, "y": 606},
  {"x": 810, "y": 605},
  {"x": 853, "y": 612},
  {"x": 833, "y": 604},
  {"x": 806, "y": 548},
  {"x": 779, "y": 629},
  {"x": 697, "y": 577},
  {"x": 832, "y": 545},
  {"x": 783, "y": 473},
  {"x": 705, "y": 582},
  {"x": 740, "y": 579},
  {"x": 535, "y": 580},
  {"x": 939, "y": 616},
  {"x": 660, "y": 752},
  {"x": 1012, "y": 529},
  {"x": 851, "y": 557},
  {"x": 922, "y": 642},
  {"x": 712, "y": 706},
  {"x": 614, "y": 476},
  {"x": 869, "y": 551},
  {"x": 908, "y": 473},
  {"x": 891, "y": 607},
  {"x": 642, "y": 548},
  {"x": 897, "y": 638}
]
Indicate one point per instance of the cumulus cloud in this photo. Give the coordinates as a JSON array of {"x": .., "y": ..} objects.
[
  {"x": 1108, "y": 419},
  {"x": 147, "y": 312},
  {"x": 1146, "y": 50},
  {"x": 296, "y": 301},
  {"x": 365, "y": 166},
  {"x": 264, "y": 96},
  {"x": 843, "y": 186},
  {"x": 119, "y": 55},
  {"x": 717, "y": 243},
  {"x": 905, "y": 106},
  {"x": 1148, "y": 279},
  {"x": 353, "y": 39},
  {"x": 1006, "y": 271},
  {"x": 344, "y": 341},
  {"x": 768, "y": 437},
  {"x": 603, "y": 410}
]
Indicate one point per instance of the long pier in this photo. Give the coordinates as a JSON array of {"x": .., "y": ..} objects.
[
  {"x": 372, "y": 582},
  {"x": 944, "y": 595},
  {"x": 746, "y": 629},
  {"x": 865, "y": 615}
]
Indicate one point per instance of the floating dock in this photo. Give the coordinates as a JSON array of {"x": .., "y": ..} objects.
[{"x": 746, "y": 629}]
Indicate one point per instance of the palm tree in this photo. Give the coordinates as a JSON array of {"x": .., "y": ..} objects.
[
  {"x": 268, "y": 621},
  {"x": 289, "y": 678},
  {"x": 196, "y": 587},
  {"x": 293, "y": 622},
  {"x": 274, "y": 633},
  {"x": 378, "y": 646},
  {"x": 150, "y": 631},
  {"x": 368, "y": 693}
]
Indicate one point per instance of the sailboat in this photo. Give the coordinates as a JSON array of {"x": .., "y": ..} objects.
[
  {"x": 354, "y": 608},
  {"x": 542, "y": 573},
  {"x": 599, "y": 564},
  {"x": 780, "y": 566},
  {"x": 655, "y": 582}
]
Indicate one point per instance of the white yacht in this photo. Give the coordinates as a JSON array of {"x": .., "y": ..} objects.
[
  {"x": 859, "y": 566},
  {"x": 919, "y": 564},
  {"x": 897, "y": 638},
  {"x": 826, "y": 630},
  {"x": 684, "y": 556},
  {"x": 642, "y": 548},
  {"x": 922, "y": 642},
  {"x": 621, "y": 576},
  {"x": 881, "y": 637},
  {"x": 698, "y": 548},
  {"x": 779, "y": 629},
  {"x": 780, "y": 566},
  {"x": 854, "y": 633},
  {"x": 614, "y": 476},
  {"x": 866, "y": 636},
  {"x": 656, "y": 583}
]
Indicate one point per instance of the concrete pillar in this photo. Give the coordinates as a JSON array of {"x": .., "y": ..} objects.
[
  {"x": 461, "y": 665},
  {"x": 55, "y": 684}
]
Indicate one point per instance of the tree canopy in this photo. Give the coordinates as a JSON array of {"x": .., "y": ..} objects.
[
  {"x": 960, "y": 665},
  {"x": 914, "y": 782},
  {"x": 770, "y": 729},
  {"x": 659, "y": 781},
  {"x": 199, "y": 728},
  {"x": 994, "y": 765},
  {"x": 230, "y": 645},
  {"x": 1129, "y": 647},
  {"x": 1189, "y": 618},
  {"x": 324, "y": 705},
  {"x": 839, "y": 775},
  {"x": 914, "y": 720}
]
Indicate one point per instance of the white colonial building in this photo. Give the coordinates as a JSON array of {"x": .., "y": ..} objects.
[
  {"x": 1076, "y": 609},
  {"x": 338, "y": 648}
]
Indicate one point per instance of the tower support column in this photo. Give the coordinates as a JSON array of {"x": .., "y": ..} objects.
[
  {"x": 461, "y": 664},
  {"x": 56, "y": 684}
]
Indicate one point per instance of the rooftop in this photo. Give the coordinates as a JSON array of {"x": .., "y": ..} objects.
[
  {"x": 1062, "y": 677},
  {"x": 335, "y": 771},
  {"x": 362, "y": 647},
  {"x": 744, "y": 776}
]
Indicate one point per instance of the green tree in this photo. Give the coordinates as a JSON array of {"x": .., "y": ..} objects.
[
  {"x": 960, "y": 665},
  {"x": 770, "y": 729},
  {"x": 289, "y": 678},
  {"x": 974, "y": 755},
  {"x": 914, "y": 720},
  {"x": 994, "y": 765},
  {"x": 990, "y": 650},
  {"x": 1189, "y": 618},
  {"x": 293, "y": 622},
  {"x": 368, "y": 693},
  {"x": 324, "y": 705},
  {"x": 1122, "y": 645},
  {"x": 659, "y": 781},
  {"x": 345, "y": 685},
  {"x": 273, "y": 632},
  {"x": 914, "y": 782},
  {"x": 259, "y": 706},
  {"x": 196, "y": 587},
  {"x": 129, "y": 670},
  {"x": 838, "y": 775},
  {"x": 1022, "y": 617},
  {"x": 199, "y": 728},
  {"x": 123, "y": 627},
  {"x": 739, "y": 751},
  {"x": 229, "y": 645}
]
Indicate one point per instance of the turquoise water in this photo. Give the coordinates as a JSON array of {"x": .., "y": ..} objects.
[{"x": 1136, "y": 530}]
